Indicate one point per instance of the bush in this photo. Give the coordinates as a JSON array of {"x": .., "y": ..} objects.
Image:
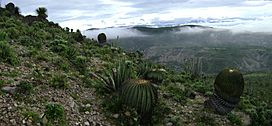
[
  {"x": 81, "y": 62},
  {"x": 7, "y": 54},
  {"x": 58, "y": 45},
  {"x": 24, "y": 88},
  {"x": 27, "y": 41},
  {"x": 59, "y": 81},
  {"x": 234, "y": 119},
  {"x": 55, "y": 114},
  {"x": 3, "y": 36}
]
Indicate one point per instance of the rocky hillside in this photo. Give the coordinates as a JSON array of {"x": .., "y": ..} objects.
[{"x": 56, "y": 76}]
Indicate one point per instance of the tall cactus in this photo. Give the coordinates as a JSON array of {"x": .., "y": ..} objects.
[{"x": 228, "y": 87}]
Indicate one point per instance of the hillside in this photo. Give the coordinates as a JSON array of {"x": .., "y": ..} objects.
[{"x": 56, "y": 76}]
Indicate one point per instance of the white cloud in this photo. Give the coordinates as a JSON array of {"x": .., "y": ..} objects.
[{"x": 85, "y": 14}]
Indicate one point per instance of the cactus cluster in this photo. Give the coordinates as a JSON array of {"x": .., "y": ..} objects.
[
  {"x": 228, "y": 87},
  {"x": 140, "y": 94}
]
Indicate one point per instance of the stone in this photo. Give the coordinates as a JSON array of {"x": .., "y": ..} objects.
[
  {"x": 8, "y": 89},
  {"x": 88, "y": 105},
  {"x": 87, "y": 112},
  {"x": 169, "y": 124},
  {"x": 13, "y": 122},
  {"x": 86, "y": 123},
  {"x": 116, "y": 116}
]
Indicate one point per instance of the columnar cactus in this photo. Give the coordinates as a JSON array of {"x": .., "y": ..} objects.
[
  {"x": 102, "y": 38},
  {"x": 228, "y": 87}
]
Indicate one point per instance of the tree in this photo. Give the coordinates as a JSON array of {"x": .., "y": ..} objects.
[{"x": 42, "y": 12}]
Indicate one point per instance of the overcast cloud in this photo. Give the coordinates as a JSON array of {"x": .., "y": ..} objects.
[{"x": 250, "y": 15}]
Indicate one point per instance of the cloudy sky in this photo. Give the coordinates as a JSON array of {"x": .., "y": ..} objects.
[{"x": 250, "y": 15}]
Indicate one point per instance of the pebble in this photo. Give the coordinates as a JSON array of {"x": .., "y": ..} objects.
[
  {"x": 169, "y": 124},
  {"x": 116, "y": 116},
  {"x": 88, "y": 105},
  {"x": 13, "y": 122},
  {"x": 87, "y": 112},
  {"x": 77, "y": 123},
  {"x": 86, "y": 123}
]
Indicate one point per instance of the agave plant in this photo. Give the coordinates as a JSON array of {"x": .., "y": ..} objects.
[
  {"x": 149, "y": 72},
  {"x": 228, "y": 87},
  {"x": 114, "y": 78},
  {"x": 143, "y": 69}
]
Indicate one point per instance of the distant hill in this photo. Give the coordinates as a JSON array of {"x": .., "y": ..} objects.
[{"x": 222, "y": 48}]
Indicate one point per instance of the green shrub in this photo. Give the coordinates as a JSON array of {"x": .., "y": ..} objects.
[
  {"x": 176, "y": 91},
  {"x": 71, "y": 53},
  {"x": 27, "y": 41},
  {"x": 3, "y": 36},
  {"x": 78, "y": 36},
  {"x": 33, "y": 117},
  {"x": 234, "y": 119},
  {"x": 81, "y": 62},
  {"x": 7, "y": 54},
  {"x": 55, "y": 114},
  {"x": 58, "y": 45},
  {"x": 24, "y": 88},
  {"x": 59, "y": 80}
]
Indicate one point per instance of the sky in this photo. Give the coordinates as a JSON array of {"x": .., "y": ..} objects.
[{"x": 246, "y": 15}]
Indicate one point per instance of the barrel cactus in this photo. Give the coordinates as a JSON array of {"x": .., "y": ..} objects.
[
  {"x": 228, "y": 87},
  {"x": 140, "y": 94},
  {"x": 102, "y": 38}
]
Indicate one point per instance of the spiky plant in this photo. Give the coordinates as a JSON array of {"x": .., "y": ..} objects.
[
  {"x": 142, "y": 95},
  {"x": 229, "y": 84},
  {"x": 149, "y": 72},
  {"x": 114, "y": 78},
  {"x": 139, "y": 93},
  {"x": 143, "y": 69},
  {"x": 156, "y": 75},
  {"x": 102, "y": 38},
  {"x": 42, "y": 12},
  {"x": 228, "y": 87}
]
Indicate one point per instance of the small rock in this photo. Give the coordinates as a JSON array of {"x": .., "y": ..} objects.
[
  {"x": 116, "y": 116},
  {"x": 13, "y": 122},
  {"x": 169, "y": 124},
  {"x": 8, "y": 89},
  {"x": 87, "y": 112},
  {"x": 88, "y": 105},
  {"x": 24, "y": 122},
  {"x": 86, "y": 123},
  {"x": 77, "y": 123}
]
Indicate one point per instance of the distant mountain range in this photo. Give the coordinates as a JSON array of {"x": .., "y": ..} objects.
[{"x": 216, "y": 48}]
